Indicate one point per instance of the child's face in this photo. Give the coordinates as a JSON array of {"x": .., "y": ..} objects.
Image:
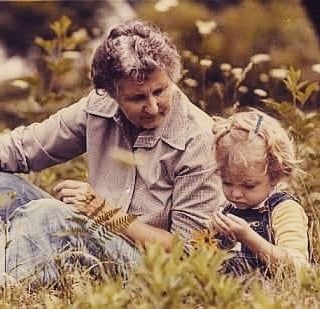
[{"x": 246, "y": 188}]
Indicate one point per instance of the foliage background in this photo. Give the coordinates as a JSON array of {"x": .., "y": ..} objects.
[{"x": 231, "y": 53}]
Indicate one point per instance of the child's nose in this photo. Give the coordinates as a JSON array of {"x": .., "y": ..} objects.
[{"x": 236, "y": 192}]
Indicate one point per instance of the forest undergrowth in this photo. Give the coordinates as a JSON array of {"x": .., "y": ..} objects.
[{"x": 175, "y": 279}]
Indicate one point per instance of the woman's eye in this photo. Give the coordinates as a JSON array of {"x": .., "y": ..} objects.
[
  {"x": 138, "y": 97},
  {"x": 157, "y": 92},
  {"x": 227, "y": 184}
]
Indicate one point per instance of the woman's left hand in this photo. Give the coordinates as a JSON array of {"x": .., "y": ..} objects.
[
  {"x": 232, "y": 226},
  {"x": 79, "y": 195}
]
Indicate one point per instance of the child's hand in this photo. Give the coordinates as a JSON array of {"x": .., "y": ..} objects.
[{"x": 232, "y": 226}]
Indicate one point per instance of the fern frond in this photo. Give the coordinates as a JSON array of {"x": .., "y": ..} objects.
[
  {"x": 82, "y": 221},
  {"x": 119, "y": 224},
  {"x": 78, "y": 231},
  {"x": 105, "y": 216},
  {"x": 100, "y": 230}
]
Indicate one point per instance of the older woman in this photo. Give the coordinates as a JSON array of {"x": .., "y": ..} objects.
[{"x": 137, "y": 108}]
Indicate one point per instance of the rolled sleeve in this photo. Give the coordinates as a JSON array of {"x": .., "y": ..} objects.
[
  {"x": 39, "y": 145},
  {"x": 196, "y": 196},
  {"x": 197, "y": 190}
]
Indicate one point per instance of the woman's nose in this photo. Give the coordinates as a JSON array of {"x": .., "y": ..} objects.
[{"x": 152, "y": 106}]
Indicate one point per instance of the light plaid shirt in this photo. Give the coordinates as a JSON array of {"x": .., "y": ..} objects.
[{"x": 167, "y": 177}]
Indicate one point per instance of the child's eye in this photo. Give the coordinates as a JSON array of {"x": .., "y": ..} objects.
[{"x": 249, "y": 187}]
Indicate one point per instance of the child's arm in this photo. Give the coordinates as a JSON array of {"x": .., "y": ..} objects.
[
  {"x": 290, "y": 228},
  {"x": 238, "y": 229}
]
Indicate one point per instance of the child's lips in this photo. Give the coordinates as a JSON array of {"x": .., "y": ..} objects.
[{"x": 240, "y": 205}]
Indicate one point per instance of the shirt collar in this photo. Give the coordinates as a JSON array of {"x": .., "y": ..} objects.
[
  {"x": 175, "y": 121},
  {"x": 101, "y": 105}
]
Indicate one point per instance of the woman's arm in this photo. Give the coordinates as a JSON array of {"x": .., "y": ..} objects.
[
  {"x": 57, "y": 139},
  {"x": 81, "y": 196},
  {"x": 142, "y": 234}
]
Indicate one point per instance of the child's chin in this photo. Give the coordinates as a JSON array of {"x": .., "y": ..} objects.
[{"x": 243, "y": 206}]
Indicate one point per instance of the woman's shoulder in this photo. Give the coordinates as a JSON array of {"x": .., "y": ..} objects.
[
  {"x": 196, "y": 116},
  {"x": 102, "y": 105}
]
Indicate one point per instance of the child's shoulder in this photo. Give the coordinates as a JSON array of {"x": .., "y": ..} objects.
[
  {"x": 284, "y": 203},
  {"x": 280, "y": 197}
]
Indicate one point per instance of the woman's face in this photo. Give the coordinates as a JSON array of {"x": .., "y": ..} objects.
[{"x": 146, "y": 104}]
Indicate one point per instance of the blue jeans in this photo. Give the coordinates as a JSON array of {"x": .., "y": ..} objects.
[
  {"x": 24, "y": 193},
  {"x": 43, "y": 230}
]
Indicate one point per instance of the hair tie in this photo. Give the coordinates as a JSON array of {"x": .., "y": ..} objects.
[{"x": 259, "y": 121}]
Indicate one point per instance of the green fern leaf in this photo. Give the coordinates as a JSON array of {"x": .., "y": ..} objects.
[
  {"x": 72, "y": 232},
  {"x": 118, "y": 225},
  {"x": 105, "y": 216}
]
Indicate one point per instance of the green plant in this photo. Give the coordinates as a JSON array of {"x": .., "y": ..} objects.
[
  {"x": 58, "y": 60},
  {"x": 304, "y": 128}
]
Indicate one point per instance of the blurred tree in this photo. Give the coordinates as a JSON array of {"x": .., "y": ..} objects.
[
  {"x": 26, "y": 19},
  {"x": 313, "y": 9},
  {"x": 272, "y": 34},
  {"x": 21, "y": 21}
]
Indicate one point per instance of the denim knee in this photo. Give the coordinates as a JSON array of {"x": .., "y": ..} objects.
[
  {"x": 38, "y": 231},
  {"x": 23, "y": 192}
]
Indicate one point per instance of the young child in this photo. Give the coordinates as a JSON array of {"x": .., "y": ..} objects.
[{"x": 260, "y": 224}]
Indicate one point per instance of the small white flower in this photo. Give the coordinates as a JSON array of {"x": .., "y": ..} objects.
[
  {"x": 206, "y": 63},
  {"x": 225, "y": 66},
  {"x": 243, "y": 89},
  {"x": 72, "y": 55},
  {"x": 316, "y": 68},
  {"x": 190, "y": 82},
  {"x": 194, "y": 59},
  {"x": 258, "y": 58},
  {"x": 14, "y": 67},
  {"x": 278, "y": 73},
  {"x": 187, "y": 53},
  {"x": 205, "y": 27},
  {"x": 237, "y": 72},
  {"x": 260, "y": 92},
  {"x": 165, "y": 5},
  {"x": 203, "y": 104},
  {"x": 264, "y": 77},
  {"x": 19, "y": 83}
]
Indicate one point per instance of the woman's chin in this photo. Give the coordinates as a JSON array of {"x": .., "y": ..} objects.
[{"x": 151, "y": 124}]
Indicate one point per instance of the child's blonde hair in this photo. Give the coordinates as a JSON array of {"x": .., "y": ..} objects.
[{"x": 257, "y": 131}]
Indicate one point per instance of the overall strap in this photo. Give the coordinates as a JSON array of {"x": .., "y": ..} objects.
[
  {"x": 274, "y": 200},
  {"x": 278, "y": 198}
]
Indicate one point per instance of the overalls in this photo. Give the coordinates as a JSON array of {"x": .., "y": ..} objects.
[{"x": 243, "y": 260}]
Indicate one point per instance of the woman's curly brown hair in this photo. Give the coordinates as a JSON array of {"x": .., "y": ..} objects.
[{"x": 133, "y": 50}]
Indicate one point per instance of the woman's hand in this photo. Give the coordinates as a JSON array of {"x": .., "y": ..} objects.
[
  {"x": 79, "y": 195},
  {"x": 231, "y": 226}
]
